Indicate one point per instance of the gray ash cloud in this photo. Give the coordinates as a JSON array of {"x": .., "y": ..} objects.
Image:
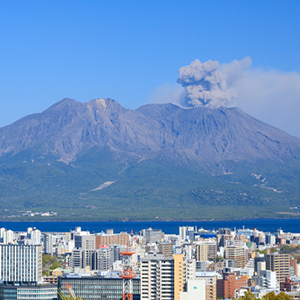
[{"x": 204, "y": 84}]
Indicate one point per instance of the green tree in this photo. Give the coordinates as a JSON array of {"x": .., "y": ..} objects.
[
  {"x": 280, "y": 296},
  {"x": 248, "y": 296},
  {"x": 61, "y": 296},
  {"x": 55, "y": 266}
]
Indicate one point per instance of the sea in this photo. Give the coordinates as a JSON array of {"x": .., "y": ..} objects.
[{"x": 266, "y": 225}]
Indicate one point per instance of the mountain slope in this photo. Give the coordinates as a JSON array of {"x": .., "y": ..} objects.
[{"x": 100, "y": 161}]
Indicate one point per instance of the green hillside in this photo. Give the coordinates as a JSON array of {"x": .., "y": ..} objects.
[{"x": 146, "y": 190}]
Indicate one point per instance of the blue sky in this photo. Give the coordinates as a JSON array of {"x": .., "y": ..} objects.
[{"x": 132, "y": 50}]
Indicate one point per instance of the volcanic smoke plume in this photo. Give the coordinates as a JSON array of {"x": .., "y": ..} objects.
[{"x": 204, "y": 84}]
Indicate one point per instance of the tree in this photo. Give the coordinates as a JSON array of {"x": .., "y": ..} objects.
[
  {"x": 55, "y": 266},
  {"x": 61, "y": 296},
  {"x": 248, "y": 296},
  {"x": 280, "y": 296}
]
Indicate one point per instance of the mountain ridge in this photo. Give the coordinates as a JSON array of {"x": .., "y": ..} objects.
[{"x": 202, "y": 134}]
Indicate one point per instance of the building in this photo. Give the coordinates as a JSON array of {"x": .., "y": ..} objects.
[
  {"x": 179, "y": 275},
  {"x": 279, "y": 263},
  {"x": 266, "y": 279},
  {"x": 289, "y": 286},
  {"x": 224, "y": 231},
  {"x": 293, "y": 264},
  {"x": 186, "y": 232},
  {"x": 195, "y": 290},
  {"x": 153, "y": 235},
  {"x": 210, "y": 279},
  {"x": 157, "y": 278},
  {"x": 39, "y": 292},
  {"x": 99, "y": 259},
  {"x": 21, "y": 263},
  {"x": 48, "y": 243},
  {"x": 98, "y": 287},
  {"x": 35, "y": 235},
  {"x": 6, "y": 236},
  {"x": 206, "y": 250},
  {"x": 270, "y": 239},
  {"x": 237, "y": 253},
  {"x": 85, "y": 242},
  {"x": 104, "y": 258},
  {"x": 110, "y": 239},
  {"x": 227, "y": 286},
  {"x": 165, "y": 278},
  {"x": 166, "y": 249}
]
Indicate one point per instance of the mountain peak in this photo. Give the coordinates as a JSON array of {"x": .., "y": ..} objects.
[
  {"x": 162, "y": 130},
  {"x": 63, "y": 103}
]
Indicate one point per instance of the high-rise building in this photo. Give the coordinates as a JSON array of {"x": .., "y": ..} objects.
[
  {"x": 36, "y": 236},
  {"x": 182, "y": 233},
  {"x": 210, "y": 279},
  {"x": 165, "y": 278},
  {"x": 48, "y": 243},
  {"x": 237, "y": 253},
  {"x": 166, "y": 249},
  {"x": 153, "y": 235},
  {"x": 104, "y": 258},
  {"x": 270, "y": 239},
  {"x": 6, "y": 236},
  {"x": 179, "y": 275},
  {"x": 279, "y": 263},
  {"x": 227, "y": 286},
  {"x": 97, "y": 259},
  {"x": 85, "y": 242},
  {"x": 21, "y": 263},
  {"x": 110, "y": 239},
  {"x": 186, "y": 232},
  {"x": 206, "y": 250},
  {"x": 293, "y": 264},
  {"x": 157, "y": 279}
]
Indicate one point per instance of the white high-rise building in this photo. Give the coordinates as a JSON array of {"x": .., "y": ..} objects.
[
  {"x": 6, "y": 236},
  {"x": 2, "y": 230},
  {"x": 182, "y": 233},
  {"x": 21, "y": 263},
  {"x": 29, "y": 230},
  {"x": 36, "y": 236},
  {"x": 157, "y": 279}
]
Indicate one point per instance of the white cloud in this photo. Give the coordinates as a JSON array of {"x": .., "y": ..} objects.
[{"x": 271, "y": 96}]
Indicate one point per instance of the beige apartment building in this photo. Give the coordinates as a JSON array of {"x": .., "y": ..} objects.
[
  {"x": 110, "y": 239},
  {"x": 279, "y": 263},
  {"x": 237, "y": 253},
  {"x": 206, "y": 250}
]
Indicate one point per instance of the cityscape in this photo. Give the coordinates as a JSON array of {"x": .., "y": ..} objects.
[
  {"x": 192, "y": 263},
  {"x": 149, "y": 150}
]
